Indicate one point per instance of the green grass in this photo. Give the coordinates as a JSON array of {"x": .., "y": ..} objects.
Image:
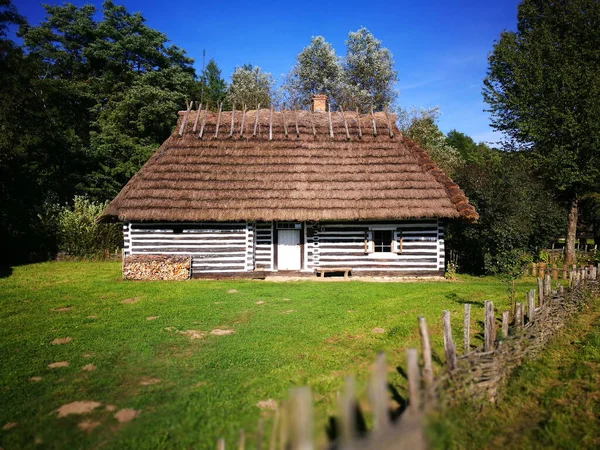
[
  {"x": 305, "y": 333},
  {"x": 552, "y": 402}
]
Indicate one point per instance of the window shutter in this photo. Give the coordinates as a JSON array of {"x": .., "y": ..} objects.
[
  {"x": 369, "y": 246},
  {"x": 397, "y": 242}
]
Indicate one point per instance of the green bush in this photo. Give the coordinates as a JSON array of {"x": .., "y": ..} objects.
[{"x": 80, "y": 235}]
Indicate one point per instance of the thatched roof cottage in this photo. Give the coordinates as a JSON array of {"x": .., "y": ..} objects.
[{"x": 290, "y": 191}]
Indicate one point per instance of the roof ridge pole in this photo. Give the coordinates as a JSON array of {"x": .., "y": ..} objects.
[
  {"x": 185, "y": 118},
  {"x": 203, "y": 122},
  {"x": 282, "y": 110},
  {"x": 345, "y": 124},
  {"x": 243, "y": 121},
  {"x": 389, "y": 122},
  {"x": 296, "y": 119},
  {"x": 374, "y": 124},
  {"x": 256, "y": 119},
  {"x": 358, "y": 122},
  {"x": 219, "y": 120},
  {"x": 330, "y": 124},
  {"x": 271, "y": 124},
  {"x": 198, "y": 111},
  {"x": 232, "y": 115}
]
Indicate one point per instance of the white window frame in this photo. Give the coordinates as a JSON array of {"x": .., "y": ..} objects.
[{"x": 396, "y": 242}]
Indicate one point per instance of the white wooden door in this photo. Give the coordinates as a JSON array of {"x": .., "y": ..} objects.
[{"x": 288, "y": 249}]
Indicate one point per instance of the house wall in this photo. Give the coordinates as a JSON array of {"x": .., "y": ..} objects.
[{"x": 248, "y": 246}]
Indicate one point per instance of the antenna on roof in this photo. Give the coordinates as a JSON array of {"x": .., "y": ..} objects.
[
  {"x": 185, "y": 118},
  {"x": 256, "y": 119},
  {"x": 202, "y": 81},
  {"x": 219, "y": 119},
  {"x": 358, "y": 122},
  {"x": 198, "y": 111},
  {"x": 296, "y": 119},
  {"x": 374, "y": 124},
  {"x": 345, "y": 124},
  {"x": 232, "y": 114},
  {"x": 389, "y": 122},
  {"x": 282, "y": 110},
  {"x": 330, "y": 124},
  {"x": 203, "y": 121},
  {"x": 271, "y": 124},
  {"x": 243, "y": 121}
]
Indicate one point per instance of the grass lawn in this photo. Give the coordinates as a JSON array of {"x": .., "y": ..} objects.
[
  {"x": 552, "y": 402},
  {"x": 189, "y": 392}
]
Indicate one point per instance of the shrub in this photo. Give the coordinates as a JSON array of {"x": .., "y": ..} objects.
[{"x": 80, "y": 235}]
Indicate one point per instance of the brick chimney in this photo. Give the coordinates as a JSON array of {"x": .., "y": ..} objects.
[{"x": 319, "y": 103}]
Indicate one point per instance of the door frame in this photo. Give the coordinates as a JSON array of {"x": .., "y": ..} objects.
[{"x": 276, "y": 245}]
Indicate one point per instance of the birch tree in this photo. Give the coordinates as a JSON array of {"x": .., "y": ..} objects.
[{"x": 250, "y": 86}]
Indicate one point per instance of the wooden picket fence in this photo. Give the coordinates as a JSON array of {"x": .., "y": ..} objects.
[{"x": 476, "y": 373}]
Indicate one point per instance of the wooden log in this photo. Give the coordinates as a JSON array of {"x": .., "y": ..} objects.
[
  {"x": 203, "y": 122},
  {"x": 296, "y": 120},
  {"x": 300, "y": 419},
  {"x": 426, "y": 351},
  {"x": 518, "y": 316},
  {"x": 271, "y": 124},
  {"x": 347, "y": 412},
  {"x": 373, "y": 120},
  {"x": 489, "y": 330},
  {"x": 256, "y": 120},
  {"x": 389, "y": 122},
  {"x": 198, "y": 111},
  {"x": 414, "y": 380},
  {"x": 530, "y": 307},
  {"x": 540, "y": 285},
  {"x": 330, "y": 124},
  {"x": 378, "y": 395},
  {"x": 358, "y": 124},
  {"x": 449, "y": 349},
  {"x": 243, "y": 121},
  {"x": 221, "y": 444},
  {"x": 185, "y": 119},
  {"x": 241, "y": 438},
  {"x": 554, "y": 272},
  {"x": 505, "y": 319},
  {"x": 564, "y": 272},
  {"x": 285, "y": 128},
  {"x": 547, "y": 286},
  {"x": 345, "y": 124},
  {"x": 232, "y": 118},
  {"x": 312, "y": 122},
  {"x": 219, "y": 119},
  {"x": 533, "y": 269},
  {"x": 467, "y": 328}
]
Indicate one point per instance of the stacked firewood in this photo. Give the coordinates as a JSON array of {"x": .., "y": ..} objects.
[{"x": 156, "y": 267}]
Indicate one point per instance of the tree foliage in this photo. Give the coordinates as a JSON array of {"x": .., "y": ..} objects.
[
  {"x": 213, "y": 88},
  {"x": 250, "y": 86},
  {"x": 543, "y": 88}
]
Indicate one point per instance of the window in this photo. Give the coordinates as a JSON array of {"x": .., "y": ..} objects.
[{"x": 382, "y": 241}]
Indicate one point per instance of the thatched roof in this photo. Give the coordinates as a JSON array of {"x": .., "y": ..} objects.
[{"x": 265, "y": 173}]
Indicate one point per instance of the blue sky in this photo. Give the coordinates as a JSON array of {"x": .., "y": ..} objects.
[{"x": 440, "y": 47}]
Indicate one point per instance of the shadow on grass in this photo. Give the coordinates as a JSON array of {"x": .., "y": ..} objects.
[
  {"x": 333, "y": 428},
  {"x": 453, "y": 296},
  {"x": 5, "y": 271}
]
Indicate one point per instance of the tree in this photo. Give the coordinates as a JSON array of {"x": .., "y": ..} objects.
[
  {"x": 214, "y": 88},
  {"x": 317, "y": 71},
  {"x": 543, "y": 89},
  {"x": 369, "y": 72},
  {"x": 420, "y": 126},
  {"x": 250, "y": 86},
  {"x": 469, "y": 150}
]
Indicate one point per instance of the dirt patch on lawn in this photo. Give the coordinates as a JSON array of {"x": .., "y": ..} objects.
[
  {"x": 221, "y": 332},
  {"x": 152, "y": 317},
  {"x": 150, "y": 381},
  {"x": 77, "y": 408},
  {"x": 88, "y": 425},
  {"x": 63, "y": 309},
  {"x": 377, "y": 331},
  {"x": 126, "y": 415},
  {"x": 232, "y": 291},
  {"x": 58, "y": 364},
  {"x": 89, "y": 368},
  {"x": 289, "y": 311},
  {"x": 267, "y": 404},
  {"x": 129, "y": 301},
  {"x": 260, "y": 302},
  {"x": 59, "y": 341},
  {"x": 87, "y": 355},
  {"x": 35, "y": 379},
  {"x": 110, "y": 408},
  {"x": 194, "y": 334},
  {"x": 9, "y": 425}
]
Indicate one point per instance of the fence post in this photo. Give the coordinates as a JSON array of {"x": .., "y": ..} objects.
[
  {"x": 242, "y": 440},
  {"x": 449, "y": 349},
  {"x": 531, "y": 306},
  {"x": 505, "y": 318},
  {"x": 540, "y": 284},
  {"x": 378, "y": 395},
  {"x": 564, "y": 272},
  {"x": 489, "y": 330},
  {"x": 300, "y": 418},
  {"x": 467, "y": 328},
  {"x": 571, "y": 279},
  {"x": 221, "y": 444},
  {"x": 554, "y": 272},
  {"x": 547, "y": 286},
  {"x": 274, "y": 429},
  {"x": 426, "y": 350},
  {"x": 561, "y": 290},
  {"x": 414, "y": 380},
  {"x": 259, "y": 434},
  {"x": 347, "y": 411},
  {"x": 518, "y": 316},
  {"x": 533, "y": 269}
]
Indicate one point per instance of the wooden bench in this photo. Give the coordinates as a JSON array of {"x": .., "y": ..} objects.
[{"x": 321, "y": 271}]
